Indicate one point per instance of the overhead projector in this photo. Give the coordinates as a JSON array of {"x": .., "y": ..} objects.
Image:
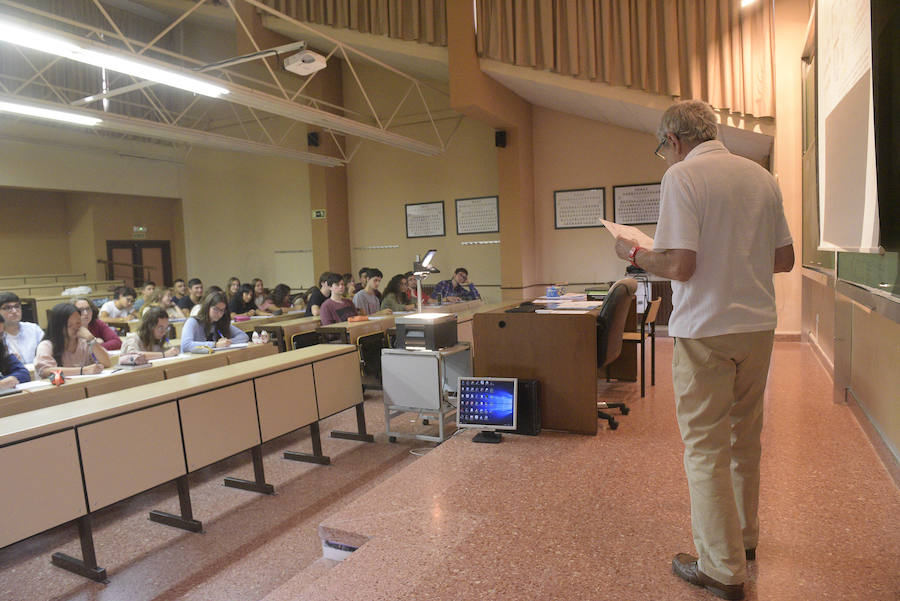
[{"x": 305, "y": 62}]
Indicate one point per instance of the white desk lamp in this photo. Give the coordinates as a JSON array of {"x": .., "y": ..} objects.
[{"x": 421, "y": 270}]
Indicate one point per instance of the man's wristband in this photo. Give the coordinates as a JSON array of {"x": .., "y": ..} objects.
[{"x": 632, "y": 255}]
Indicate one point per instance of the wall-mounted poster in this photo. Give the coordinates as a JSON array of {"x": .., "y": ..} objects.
[
  {"x": 584, "y": 207},
  {"x": 636, "y": 205},
  {"x": 425, "y": 219},
  {"x": 477, "y": 215}
]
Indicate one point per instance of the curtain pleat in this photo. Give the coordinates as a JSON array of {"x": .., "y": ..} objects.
[
  {"x": 707, "y": 49},
  {"x": 423, "y": 21}
]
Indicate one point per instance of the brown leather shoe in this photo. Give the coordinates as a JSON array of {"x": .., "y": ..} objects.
[{"x": 685, "y": 567}]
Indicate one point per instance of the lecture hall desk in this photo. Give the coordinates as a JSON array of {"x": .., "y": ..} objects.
[{"x": 64, "y": 462}]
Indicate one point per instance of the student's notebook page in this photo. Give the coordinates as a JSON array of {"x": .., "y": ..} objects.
[{"x": 629, "y": 232}]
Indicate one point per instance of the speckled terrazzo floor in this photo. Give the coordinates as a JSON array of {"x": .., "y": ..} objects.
[{"x": 554, "y": 517}]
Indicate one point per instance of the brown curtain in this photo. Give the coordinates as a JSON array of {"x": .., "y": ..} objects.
[
  {"x": 423, "y": 21},
  {"x": 708, "y": 49}
]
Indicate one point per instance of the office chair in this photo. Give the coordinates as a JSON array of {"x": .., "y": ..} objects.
[
  {"x": 369, "y": 347},
  {"x": 610, "y": 328}
]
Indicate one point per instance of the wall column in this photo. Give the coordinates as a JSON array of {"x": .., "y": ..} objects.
[{"x": 475, "y": 95}]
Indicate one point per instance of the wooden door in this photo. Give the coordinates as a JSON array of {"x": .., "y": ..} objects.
[{"x": 131, "y": 258}]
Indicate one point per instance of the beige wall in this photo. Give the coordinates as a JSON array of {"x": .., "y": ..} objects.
[
  {"x": 33, "y": 232},
  {"x": 238, "y": 211},
  {"x": 381, "y": 180},
  {"x": 573, "y": 152}
]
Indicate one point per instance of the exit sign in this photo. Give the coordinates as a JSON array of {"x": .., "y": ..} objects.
[{"x": 318, "y": 213}]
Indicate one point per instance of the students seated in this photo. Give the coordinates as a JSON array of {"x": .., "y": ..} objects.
[
  {"x": 349, "y": 285},
  {"x": 261, "y": 296},
  {"x": 233, "y": 287},
  {"x": 103, "y": 335},
  {"x": 366, "y": 300},
  {"x": 68, "y": 347},
  {"x": 12, "y": 372},
  {"x": 411, "y": 289},
  {"x": 196, "y": 308},
  {"x": 363, "y": 277},
  {"x": 211, "y": 327},
  {"x": 151, "y": 338},
  {"x": 179, "y": 288},
  {"x": 336, "y": 308},
  {"x": 456, "y": 289},
  {"x": 165, "y": 299},
  {"x": 122, "y": 305},
  {"x": 242, "y": 303},
  {"x": 317, "y": 296},
  {"x": 146, "y": 292},
  {"x": 281, "y": 298},
  {"x": 395, "y": 295},
  {"x": 194, "y": 296},
  {"x": 21, "y": 337}
]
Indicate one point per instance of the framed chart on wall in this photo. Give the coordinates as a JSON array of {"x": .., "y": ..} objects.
[
  {"x": 477, "y": 215},
  {"x": 425, "y": 219},
  {"x": 636, "y": 205},
  {"x": 584, "y": 207}
]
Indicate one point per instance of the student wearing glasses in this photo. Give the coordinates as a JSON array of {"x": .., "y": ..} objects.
[
  {"x": 21, "y": 337},
  {"x": 68, "y": 347},
  {"x": 150, "y": 339},
  {"x": 103, "y": 335},
  {"x": 211, "y": 326},
  {"x": 456, "y": 289},
  {"x": 122, "y": 305}
]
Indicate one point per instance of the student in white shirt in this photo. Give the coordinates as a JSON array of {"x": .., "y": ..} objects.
[
  {"x": 21, "y": 337},
  {"x": 122, "y": 305}
]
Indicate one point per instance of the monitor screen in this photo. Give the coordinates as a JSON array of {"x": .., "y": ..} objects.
[{"x": 487, "y": 403}]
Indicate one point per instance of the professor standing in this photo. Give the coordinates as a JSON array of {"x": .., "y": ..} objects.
[{"x": 721, "y": 235}]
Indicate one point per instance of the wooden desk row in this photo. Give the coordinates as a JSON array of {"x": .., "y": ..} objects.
[
  {"x": 46, "y": 278},
  {"x": 77, "y": 388},
  {"x": 63, "y": 463},
  {"x": 56, "y": 288}
]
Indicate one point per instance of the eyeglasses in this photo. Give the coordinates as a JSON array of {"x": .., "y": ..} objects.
[
  {"x": 12, "y": 307},
  {"x": 217, "y": 309},
  {"x": 660, "y": 147}
]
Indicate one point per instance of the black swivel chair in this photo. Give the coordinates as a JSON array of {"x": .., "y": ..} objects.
[{"x": 610, "y": 327}]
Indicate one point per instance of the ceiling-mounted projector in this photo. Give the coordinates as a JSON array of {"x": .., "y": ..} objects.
[{"x": 305, "y": 62}]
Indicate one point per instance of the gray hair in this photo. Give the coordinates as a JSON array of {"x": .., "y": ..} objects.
[{"x": 690, "y": 120}]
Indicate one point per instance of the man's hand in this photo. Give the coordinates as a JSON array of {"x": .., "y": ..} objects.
[{"x": 624, "y": 246}]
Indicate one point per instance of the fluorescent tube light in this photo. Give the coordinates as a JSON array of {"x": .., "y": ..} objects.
[
  {"x": 34, "y": 111},
  {"x": 35, "y": 39}
]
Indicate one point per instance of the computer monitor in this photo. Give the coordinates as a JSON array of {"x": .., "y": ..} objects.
[{"x": 487, "y": 404}]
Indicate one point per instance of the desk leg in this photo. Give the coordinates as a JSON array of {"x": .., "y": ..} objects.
[
  {"x": 317, "y": 456},
  {"x": 86, "y": 567},
  {"x": 186, "y": 520},
  {"x": 360, "y": 434},
  {"x": 259, "y": 476}
]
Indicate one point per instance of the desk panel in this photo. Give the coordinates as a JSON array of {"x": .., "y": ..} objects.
[
  {"x": 195, "y": 364},
  {"x": 218, "y": 424},
  {"x": 131, "y": 453},
  {"x": 558, "y": 350},
  {"x": 338, "y": 384},
  {"x": 123, "y": 380},
  {"x": 41, "y": 485},
  {"x": 46, "y": 397},
  {"x": 286, "y": 401},
  {"x": 253, "y": 351}
]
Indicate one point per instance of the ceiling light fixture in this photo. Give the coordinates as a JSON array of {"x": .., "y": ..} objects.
[
  {"x": 52, "y": 114},
  {"x": 22, "y": 34}
]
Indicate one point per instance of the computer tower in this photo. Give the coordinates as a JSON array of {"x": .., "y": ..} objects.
[{"x": 529, "y": 408}]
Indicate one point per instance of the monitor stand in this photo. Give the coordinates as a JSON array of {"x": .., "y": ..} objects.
[{"x": 488, "y": 436}]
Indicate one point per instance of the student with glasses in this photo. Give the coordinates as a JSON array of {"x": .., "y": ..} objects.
[
  {"x": 21, "y": 337},
  {"x": 211, "y": 326}
]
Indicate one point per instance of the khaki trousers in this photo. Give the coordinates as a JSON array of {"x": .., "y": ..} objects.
[{"x": 719, "y": 385}]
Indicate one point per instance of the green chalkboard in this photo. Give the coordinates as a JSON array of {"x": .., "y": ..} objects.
[{"x": 875, "y": 271}]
